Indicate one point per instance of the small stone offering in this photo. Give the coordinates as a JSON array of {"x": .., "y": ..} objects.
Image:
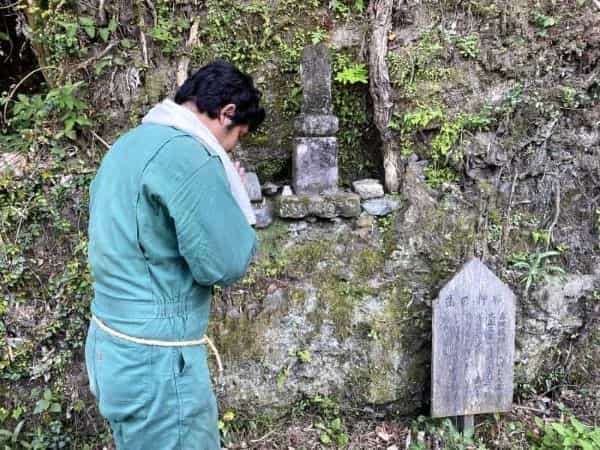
[
  {"x": 368, "y": 188},
  {"x": 380, "y": 206},
  {"x": 270, "y": 189}
]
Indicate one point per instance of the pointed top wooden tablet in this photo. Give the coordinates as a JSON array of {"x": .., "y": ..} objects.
[{"x": 473, "y": 344}]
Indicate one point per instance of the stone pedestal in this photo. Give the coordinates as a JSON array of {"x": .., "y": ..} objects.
[
  {"x": 314, "y": 164},
  {"x": 333, "y": 204}
]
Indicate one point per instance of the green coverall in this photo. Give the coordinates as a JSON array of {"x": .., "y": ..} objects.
[{"x": 164, "y": 228}]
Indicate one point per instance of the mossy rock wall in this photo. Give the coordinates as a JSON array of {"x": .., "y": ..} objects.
[{"x": 497, "y": 112}]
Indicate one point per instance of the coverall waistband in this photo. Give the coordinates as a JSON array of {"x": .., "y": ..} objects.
[{"x": 104, "y": 305}]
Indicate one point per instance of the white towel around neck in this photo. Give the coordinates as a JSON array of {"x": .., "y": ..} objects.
[{"x": 171, "y": 114}]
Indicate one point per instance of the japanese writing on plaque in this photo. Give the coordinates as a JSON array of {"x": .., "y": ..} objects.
[{"x": 473, "y": 344}]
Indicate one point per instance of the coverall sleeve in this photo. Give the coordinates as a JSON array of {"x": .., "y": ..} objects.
[{"x": 214, "y": 236}]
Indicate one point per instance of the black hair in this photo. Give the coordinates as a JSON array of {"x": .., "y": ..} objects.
[{"x": 218, "y": 84}]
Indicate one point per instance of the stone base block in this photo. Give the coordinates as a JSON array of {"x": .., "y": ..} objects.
[{"x": 328, "y": 206}]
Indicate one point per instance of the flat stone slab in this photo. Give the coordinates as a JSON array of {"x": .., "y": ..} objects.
[
  {"x": 329, "y": 206},
  {"x": 380, "y": 206},
  {"x": 253, "y": 187},
  {"x": 314, "y": 164},
  {"x": 368, "y": 188}
]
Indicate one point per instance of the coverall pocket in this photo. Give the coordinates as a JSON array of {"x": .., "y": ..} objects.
[
  {"x": 90, "y": 350},
  {"x": 122, "y": 371}
]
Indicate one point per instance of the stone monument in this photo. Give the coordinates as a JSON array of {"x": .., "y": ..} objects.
[
  {"x": 473, "y": 345},
  {"x": 314, "y": 159}
]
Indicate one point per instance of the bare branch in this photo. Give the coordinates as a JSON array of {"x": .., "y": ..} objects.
[
  {"x": 184, "y": 61},
  {"x": 106, "y": 144},
  {"x": 94, "y": 58},
  {"x": 141, "y": 26}
]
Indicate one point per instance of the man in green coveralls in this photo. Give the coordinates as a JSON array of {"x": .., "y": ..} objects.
[{"x": 169, "y": 219}]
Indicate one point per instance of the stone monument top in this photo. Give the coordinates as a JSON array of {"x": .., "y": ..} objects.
[{"x": 315, "y": 70}]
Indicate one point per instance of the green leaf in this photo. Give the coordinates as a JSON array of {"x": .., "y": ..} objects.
[
  {"x": 87, "y": 21},
  {"x": 99, "y": 66},
  {"x": 342, "y": 439},
  {"x": 325, "y": 439},
  {"x": 126, "y": 43},
  {"x": 4, "y": 36},
  {"x": 104, "y": 33},
  {"x": 556, "y": 269},
  {"x": 579, "y": 427},
  {"x": 55, "y": 408},
  {"x": 41, "y": 406},
  {"x": 356, "y": 73},
  {"x": 69, "y": 124},
  {"x": 569, "y": 441},
  {"x": 560, "y": 428},
  {"x": 539, "y": 422},
  {"x": 548, "y": 254},
  {"x": 548, "y": 22},
  {"x": 336, "y": 424},
  {"x": 585, "y": 444},
  {"x": 47, "y": 394},
  {"x": 90, "y": 31},
  {"x": 112, "y": 26},
  {"x": 18, "y": 429},
  {"x": 83, "y": 121}
]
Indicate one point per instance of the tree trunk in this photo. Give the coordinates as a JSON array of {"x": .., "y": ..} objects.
[
  {"x": 380, "y": 17},
  {"x": 38, "y": 49}
]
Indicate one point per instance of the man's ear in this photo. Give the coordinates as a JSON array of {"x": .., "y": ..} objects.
[{"x": 228, "y": 111}]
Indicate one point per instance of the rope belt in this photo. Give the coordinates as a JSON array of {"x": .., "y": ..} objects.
[{"x": 204, "y": 341}]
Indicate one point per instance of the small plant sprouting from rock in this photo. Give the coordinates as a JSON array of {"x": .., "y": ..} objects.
[
  {"x": 443, "y": 434},
  {"x": 343, "y": 8},
  {"x": 468, "y": 46},
  {"x": 565, "y": 435},
  {"x": 535, "y": 267},
  {"x": 543, "y": 22},
  {"x": 47, "y": 403},
  {"x": 92, "y": 29},
  {"x": 42, "y": 118},
  {"x": 333, "y": 432},
  {"x": 353, "y": 74},
  {"x": 225, "y": 425},
  {"x": 303, "y": 355},
  {"x": 318, "y": 35}
]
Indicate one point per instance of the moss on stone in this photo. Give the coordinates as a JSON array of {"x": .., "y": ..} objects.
[{"x": 368, "y": 262}]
